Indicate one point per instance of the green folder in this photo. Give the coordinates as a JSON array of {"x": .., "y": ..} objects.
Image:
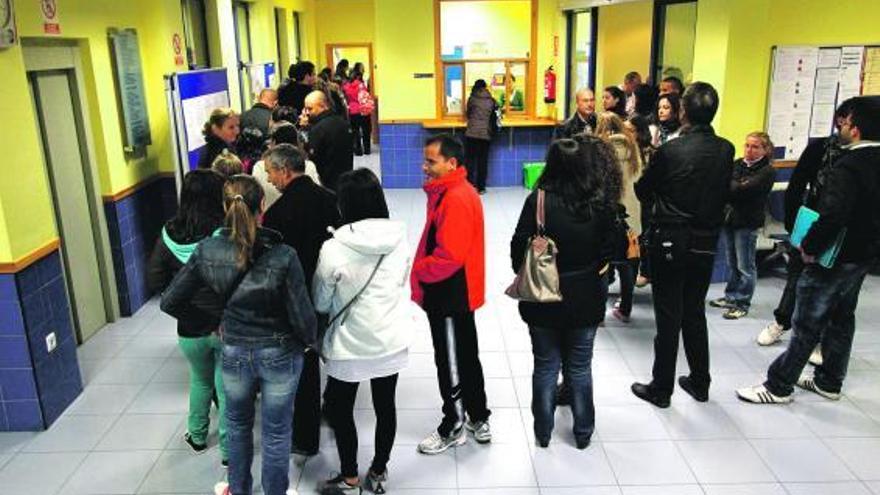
[{"x": 806, "y": 217}]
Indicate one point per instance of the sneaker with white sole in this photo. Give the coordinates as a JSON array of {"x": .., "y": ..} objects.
[
  {"x": 480, "y": 429},
  {"x": 771, "y": 334},
  {"x": 198, "y": 448},
  {"x": 810, "y": 385},
  {"x": 338, "y": 486},
  {"x": 435, "y": 443},
  {"x": 735, "y": 313},
  {"x": 221, "y": 488},
  {"x": 816, "y": 356},
  {"x": 759, "y": 394},
  {"x": 721, "y": 302},
  {"x": 375, "y": 483}
]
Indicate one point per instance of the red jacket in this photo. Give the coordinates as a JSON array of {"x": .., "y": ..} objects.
[
  {"x": 352, "y": 89},
  {"x": 453, "y": 274}
]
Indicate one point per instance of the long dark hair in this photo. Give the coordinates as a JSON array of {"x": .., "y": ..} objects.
[
  {"x": 673, "y": 123},
  {"x": 583, "y": 171},
  {"x": 360, "y": 196},
  {"x": 201, "y": 206},
  {"x": 620, "y": 96},
  {"x": 478, "y": 85},
  {"x": 243, "y": 199}
]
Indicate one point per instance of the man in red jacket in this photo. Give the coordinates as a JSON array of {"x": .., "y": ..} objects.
[{"x": 448, "y": 279}]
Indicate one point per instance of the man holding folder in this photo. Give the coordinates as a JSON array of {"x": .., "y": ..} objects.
[{"x": 827, "y": 297}]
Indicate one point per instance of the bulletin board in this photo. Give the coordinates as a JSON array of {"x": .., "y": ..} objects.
[{"x": 806, "y": 85}]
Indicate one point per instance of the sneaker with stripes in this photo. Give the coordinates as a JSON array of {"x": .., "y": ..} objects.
[
  {"x": 810, "y": 385},
  {"x": 759, "y": 394}
]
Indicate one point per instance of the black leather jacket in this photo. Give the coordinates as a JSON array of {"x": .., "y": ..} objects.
[
  {"x": 689, "y": 180},
  {"x": 269, "y": 307}
]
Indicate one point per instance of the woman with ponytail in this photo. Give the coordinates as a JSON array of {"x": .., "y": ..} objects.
[{"x": 267, "y": 324}]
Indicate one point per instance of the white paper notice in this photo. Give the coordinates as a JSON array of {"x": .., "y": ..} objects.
[
  {"x": 196, "y": 112},
  {"x": 826, "y": 86},
  {"x": 829, "y": 58},
  {"x": 823, "y": 117}
]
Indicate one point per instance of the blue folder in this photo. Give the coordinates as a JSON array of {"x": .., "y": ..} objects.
[{"x": 806, "y": 217}]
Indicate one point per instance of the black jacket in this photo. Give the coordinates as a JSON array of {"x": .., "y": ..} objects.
[
  {"x": 330, "y": 147},
  {"x": 293, "y": 94},
  {"x": 810, "y": 174},
  {"x": 749, "y": 190},
  {"x": 689, "y": 180},
  {"x": 575, "y": 125},
  {"x": 850, "y": 199},
  {"x": 202, "y": 316},
  {"x": 267, "y": 305},
  {"x": 583, "y": 243},
  {"x": 302, "y": 215},
  {"x": 213, "y": 147},
  {"x": 257, "y": 118}
]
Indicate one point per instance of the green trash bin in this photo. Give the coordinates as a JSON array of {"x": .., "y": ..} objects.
[{"x": 531, "y": 173}]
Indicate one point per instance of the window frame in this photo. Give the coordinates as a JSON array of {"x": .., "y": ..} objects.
[
  {"x": 571, "y": 35},
  {"x": 658, "y": 29},
  {"x": 440, "y": 69},
  {"x": 187, "y": 18}
]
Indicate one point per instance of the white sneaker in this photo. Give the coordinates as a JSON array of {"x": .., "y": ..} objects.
[
  {"x": 816, "y": 356},
  {"x": 810, "y": 385},
  {"x": 221, "y": 488},
  {"x": 771, "y": 334},
  {"x": 291, "y": 491},
  {"x": 436, "y": 444},
  {"x": 758, "y": 394},
  {"x": 480, "y": 430}
]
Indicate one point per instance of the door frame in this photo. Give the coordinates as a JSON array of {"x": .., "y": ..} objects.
[
  {"x": 328, "y": 51},
  {"x": 42, "y": 56}
]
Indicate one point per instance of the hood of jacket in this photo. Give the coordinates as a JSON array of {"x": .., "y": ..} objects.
[
  {"x": 181, "y": 251},
  {"x": 373, "y": 236}
]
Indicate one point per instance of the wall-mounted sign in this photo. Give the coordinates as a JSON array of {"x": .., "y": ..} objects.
[
  {"x": 130, "y": 88},
  {"x": 8, "y": 35},
  {"x": 423, "y": 75},
  {"x": 49, "y": 9},
  {"x": 177, "y": 45}
]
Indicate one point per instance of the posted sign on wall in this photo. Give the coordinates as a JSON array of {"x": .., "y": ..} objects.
[
  {"x": 130, "y": 85},
  {"x": 49, "y": 10}
]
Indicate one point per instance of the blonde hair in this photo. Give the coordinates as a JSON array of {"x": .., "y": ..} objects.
[
  {"x": 217, "y": 118},
  {"x": 765, "y": 141},
  {"x": 243, "y": 200},
  {"x": 227, "y": 164},
  {"x": 611, "y": 128}
]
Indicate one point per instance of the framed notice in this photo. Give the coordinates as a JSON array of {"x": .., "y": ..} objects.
[{"x": 130, "y": 88}]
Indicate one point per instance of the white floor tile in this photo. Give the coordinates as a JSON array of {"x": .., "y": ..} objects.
[
  {"x": 648, "y": 463},
  {"x": 836, "y": 419},
  {"x": 739, "y": 462},
  {"x": 852, "y": 488},
  {"x": 749, "y": 489},
  {"x": 72, "y": 433},
  {"x": 697, "y": 421},
  {"x": 183, "y": 472},
  {"x": 128, "y": 371},
  {"x": 562, "y": 465},
  {"x": 802, "y": 460},
  {"x": 662, "y": 490},
  {"x": 104, "y": 399},
  {"x": 629, "y": 423},
  {"x": 141, "y": 432},
  {"x": 111, "y": 472},
  {"x": 29, "y": 473},
  {"x": 861, "y": 455},
  {"x": 483, "y": 466}
]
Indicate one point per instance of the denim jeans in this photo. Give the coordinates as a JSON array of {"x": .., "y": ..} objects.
[
  {"x": 275, "y": 371},
  {"x": 627, "y": 270},
  {"x": 785, "y": 309},
  {"x": 572, "y": 349},
  {"x": 741, "y": 247},
  {"x": 824, "y": 311}
]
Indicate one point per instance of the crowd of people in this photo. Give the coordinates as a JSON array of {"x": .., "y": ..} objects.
[{"x": 286, "y": 262}]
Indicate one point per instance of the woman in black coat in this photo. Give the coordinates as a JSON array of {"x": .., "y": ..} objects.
[
  {"x": 581, "y": 183},
  {"x": 221, "y": 133}
]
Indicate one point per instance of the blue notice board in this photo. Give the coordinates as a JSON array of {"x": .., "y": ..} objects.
[{"x": 195, "y": 95}]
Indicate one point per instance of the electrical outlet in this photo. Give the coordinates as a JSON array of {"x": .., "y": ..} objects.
[{"x": 51, "y": 342}]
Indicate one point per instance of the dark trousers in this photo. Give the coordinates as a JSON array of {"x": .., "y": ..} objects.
[
  {"x": 679, "y": 288},
  {"x": 470, "y": 370},
  {"x": 627, "y": 270},
  {"x": 477, "y": 161},
  {"x": 340, "y": 397},
  {"x": 307, "y": 407},
  {"x": 825, "y": 311},
  {"x": 572, "y": 350},
  {"x": 785, "y": 310},
  {"x": 361, "y": 133}
]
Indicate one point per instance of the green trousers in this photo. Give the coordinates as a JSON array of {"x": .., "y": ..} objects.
[{"x": 205, "y": 377}]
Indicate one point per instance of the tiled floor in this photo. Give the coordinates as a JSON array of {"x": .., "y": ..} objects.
[{"x": 123, "y": 435}]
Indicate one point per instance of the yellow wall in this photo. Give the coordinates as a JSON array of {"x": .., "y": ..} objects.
[
  {"x": 343, "y": 21},
  {"x": 623, "y": 43}
]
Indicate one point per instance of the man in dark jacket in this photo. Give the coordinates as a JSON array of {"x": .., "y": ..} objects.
[
  {"x": 584, "y": 118},
  {"x": 689, "y": 180},
  {"x": 329, "y": 139},
  {"x": 750, "y": 186},
  {"x": 810, "y": 175},
  {"x": 294, "y": 91},
  {"x": 827, "y": 297},
  {"x": 302, "y": 215},
  {"x": 259, "y": 115}
]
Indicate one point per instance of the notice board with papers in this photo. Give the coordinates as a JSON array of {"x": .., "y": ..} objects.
[{"x": 806, "y": 85}]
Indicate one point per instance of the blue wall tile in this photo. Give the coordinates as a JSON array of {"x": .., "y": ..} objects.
[
  {"x": 18, "y": 384},
  {"x": 14, "y": 352},
  {"x": 24, "y": 415},
  {"x": 8, "y": 291},
  {"x": 11, "y": 321}
]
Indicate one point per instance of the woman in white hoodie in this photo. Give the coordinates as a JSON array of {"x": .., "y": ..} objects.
[{"x": 361, "y": 282}]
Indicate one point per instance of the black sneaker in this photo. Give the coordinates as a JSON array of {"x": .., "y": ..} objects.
[
  {"x": 198, "y": 448},
  {"x": 687, "y": 385},
  {"x": 338, "y": 486},
  {"x": 375, "y": 483},
  {"x": 582, "y": 443},
  {"x": 645, "y": 392},
  {"x": 224, "y": 463}
]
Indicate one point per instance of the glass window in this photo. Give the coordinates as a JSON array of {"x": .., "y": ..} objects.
[
  {"x": 242, "y": 31},
  {"x": 195, "y": 32},
  {"x": 489, "y": 40},
  {"x": 297, "y": 51},
  {"x": 580, "y": 50},
  {"x": 675, "y": 43}
]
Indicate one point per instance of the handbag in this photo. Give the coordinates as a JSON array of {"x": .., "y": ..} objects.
[
  {"x": 330, "y": 327},
  {"x": 538, "y": 278}
]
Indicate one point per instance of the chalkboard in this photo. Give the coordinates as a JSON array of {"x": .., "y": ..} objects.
[{"x": 130, "y": 88}]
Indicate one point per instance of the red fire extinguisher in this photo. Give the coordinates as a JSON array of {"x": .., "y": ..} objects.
[{"x": 549, "y": 85}]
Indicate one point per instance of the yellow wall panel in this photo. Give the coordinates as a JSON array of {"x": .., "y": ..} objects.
[{"x": 623, "y": 42}]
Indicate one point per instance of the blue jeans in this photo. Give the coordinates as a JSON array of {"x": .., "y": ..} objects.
[
  {"x": 275, "y": 372},
  {"x": 572, "y": 349},
  {"x": 824, "y": 311},
  {"x": 741, "y": 247}
]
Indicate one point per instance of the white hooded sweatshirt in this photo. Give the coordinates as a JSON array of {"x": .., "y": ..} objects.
[{"x": 377, "y": 327}]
